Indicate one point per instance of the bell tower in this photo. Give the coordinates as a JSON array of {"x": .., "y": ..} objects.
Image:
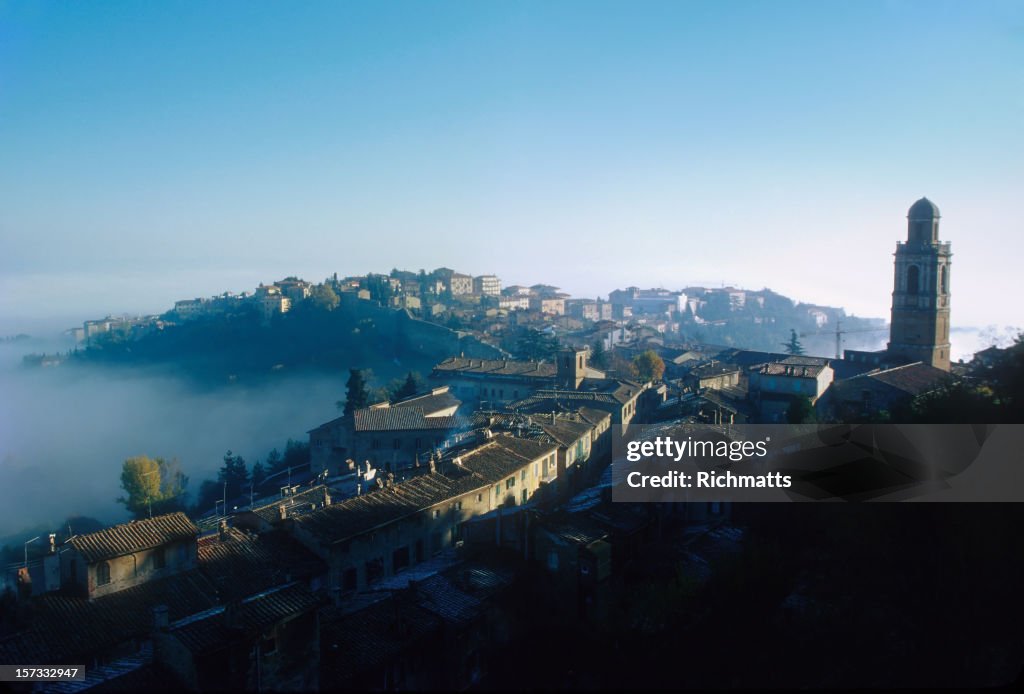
[{"x": 920, "y": 299}]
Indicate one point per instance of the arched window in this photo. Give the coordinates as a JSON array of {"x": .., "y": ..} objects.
[
  {"x": 913, "y": 279},
  {"x": 102, "y": 573},
  {"x": 943, "y": 280}
]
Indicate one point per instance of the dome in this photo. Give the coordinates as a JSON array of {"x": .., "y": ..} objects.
[{"x": 923, "y": 209}]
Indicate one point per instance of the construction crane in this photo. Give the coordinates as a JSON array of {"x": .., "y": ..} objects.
[{"x": 839, "y": 332}]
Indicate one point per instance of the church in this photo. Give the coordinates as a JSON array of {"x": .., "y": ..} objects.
[{"x": 919, "y": 329}]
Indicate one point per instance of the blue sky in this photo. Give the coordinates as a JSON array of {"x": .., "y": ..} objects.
[{"x": 156, "y": 151}]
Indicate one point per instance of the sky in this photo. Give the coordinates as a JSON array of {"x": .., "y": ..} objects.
[{"x": 156, "y": 151}]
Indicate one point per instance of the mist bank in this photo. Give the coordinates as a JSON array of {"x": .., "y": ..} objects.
[{"x": 65, "y": 432}]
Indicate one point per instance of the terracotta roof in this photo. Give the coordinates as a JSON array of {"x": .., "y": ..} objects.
[
  {"x": 480, "y": 468},
  {"x": 210, "y": 631},
  {"x": 403, "y": 418},
  {"x": 497, "y": 367},
  {"x": 134, "y": 536},
  {"x": 354, "y": 642},
  {"x": 65, "y": 628},
  {"x": 913, "y": 378},
  {"x": 436, "y": 400},
  {"x": 243, "y": 564}
]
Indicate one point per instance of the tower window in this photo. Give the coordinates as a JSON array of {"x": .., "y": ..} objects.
[
  {"x": 943, "y": 280},
  {"x": 913, "y": 279}
]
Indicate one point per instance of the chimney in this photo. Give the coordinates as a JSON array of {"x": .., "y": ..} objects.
[
  {"x": 327, "y": 496},
  {"x": 160, "y": 620},
  {"x": 53, "y": 543},
  {"x": 222, "y": 529},
  {"x": 282, "y": 511}
]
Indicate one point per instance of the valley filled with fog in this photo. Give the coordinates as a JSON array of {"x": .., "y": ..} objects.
[{"x": 66, "y": 430}]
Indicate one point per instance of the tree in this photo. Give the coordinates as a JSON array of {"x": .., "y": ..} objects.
[
  {"x": 296, "y": 453},
  {"x": 356, "y": 396},
  {"x": 598, "y": 356},
  {"x": 800, "y": 411},
  {"x": 152, "y": 485},
  {"x": 140, "y": 479},
  {"x": 233, "y": 474},
  {"x": 259, "y": 473},
  {"x": 649, "y": 366},
  {"x": 534, "y": 344},
  {"x": 793, "y": 346},
  {"x": 274, "y": 461},
  {"x": 324, "y": 298},
  {"x": 410, "y": 387}
]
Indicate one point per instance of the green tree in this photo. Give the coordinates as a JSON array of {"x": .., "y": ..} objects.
[
  {"x": 324, "y": 297},
  {"x": 793, "y": 346},
  {"x": 259, "y": 473},
  {"x": 535, "y": 344},
  {"x": 356, "y": 395},
  {"x": 152, "y": 485},
  {"x": 234, "y": 474},
  {"x": 274, "y": 461},
  {"x": 649, "y": 366},
  {"x": 296, "y": 453},
  {"x": 410, "y": 387},
  {"x": 954, "y": 402},
  {"x": 800, "y": 411}
]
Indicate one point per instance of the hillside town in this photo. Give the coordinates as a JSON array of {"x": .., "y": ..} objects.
[{"x": 398, "y": 555}]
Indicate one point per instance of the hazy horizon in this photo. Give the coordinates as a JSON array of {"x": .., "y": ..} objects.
[{"x": 151, "y": 155}]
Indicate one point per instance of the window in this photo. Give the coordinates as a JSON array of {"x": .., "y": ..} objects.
[
  {"x": 268, "y": 646},
  {"x": 159, "y": 559},
  {"x": 418, "y": 444},
  {"x": 458, "y": 505},
  {"x": 349, "y": 580},
  {"x": 942, "y": 280},
  {"x": 375, "y": 444},
  {"x": 400, "y": 559},
  {"x": 396, "y": 444},
  {"x": 374, "y": 570},
  {"x": 510, "y": 482},
  {"x": 497, "y": 490},
  {"x": 536, "y": 470},
  {"x": 522, "y": 475},
  {"x": 479, "y": 498},
  {"x": 437, "y": 513},
  {"x": 525, "y": 496},
  {"x": 913, "y": 279},
  {"x": 102, "y": 573},
  {"x": 553, "y": 560}
]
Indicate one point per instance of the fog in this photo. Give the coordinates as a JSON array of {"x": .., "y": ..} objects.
[{"x": 65, "y": 431}]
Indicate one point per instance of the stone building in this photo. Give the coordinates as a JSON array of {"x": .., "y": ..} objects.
[
  {"x": 375, "y": 535},
  {"x": 920, "y": 297}
]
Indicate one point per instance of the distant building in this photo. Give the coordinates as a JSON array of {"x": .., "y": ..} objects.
[
  {"x": 493, "y": 382},
  {"x": 488, "y": 285}
]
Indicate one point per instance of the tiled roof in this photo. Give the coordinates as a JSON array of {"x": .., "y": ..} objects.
[
  {"x": 295, "y": 504},
  {"x": 134, "y": 536},
  {"x": 913, "y": 378},
  {"x": 436, "y": 400},
  {"x": 403, "y": 418},
  {"x": 254, "y": 615},
  {"x": 65, "y": 628},
  {"x": 243, "y": 564},
  {"x": 480, "y": 467},
  {"x": 497, "y": 367},
  {"x": 440, "y": 596},
  {"x": 352, "y": 642}
]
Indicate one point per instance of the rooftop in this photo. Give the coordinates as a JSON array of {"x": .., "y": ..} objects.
[
  {"x": 134, "y": 536},
  {"x": 497, "y": 367}
]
